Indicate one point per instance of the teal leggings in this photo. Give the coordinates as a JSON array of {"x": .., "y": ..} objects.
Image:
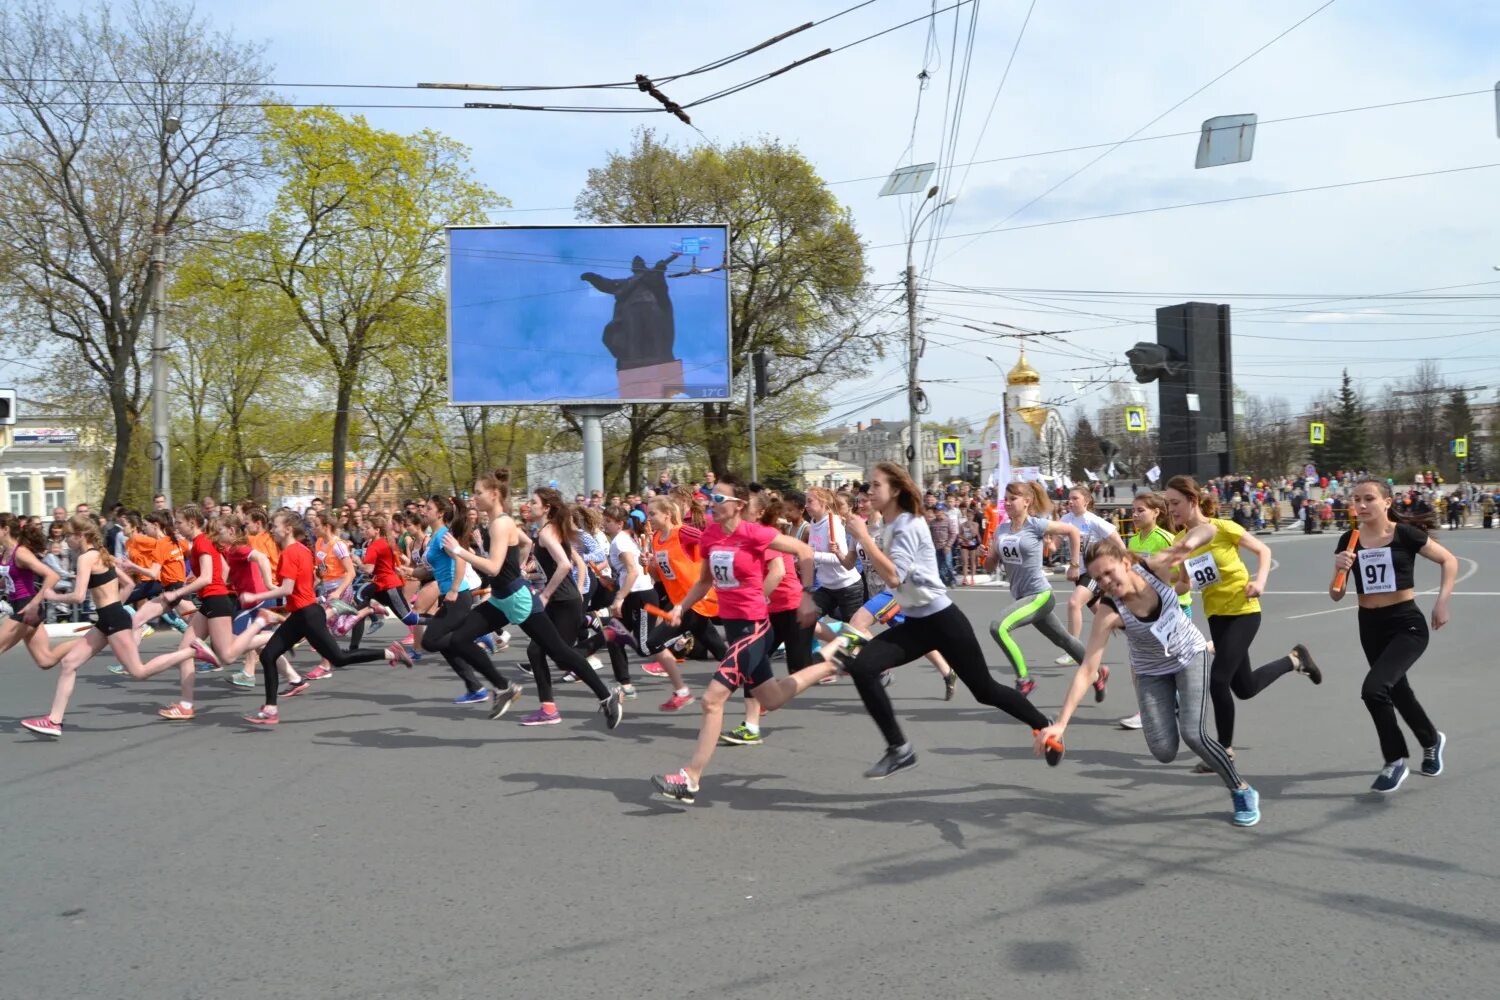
[{"x": 1036, "y": 610}]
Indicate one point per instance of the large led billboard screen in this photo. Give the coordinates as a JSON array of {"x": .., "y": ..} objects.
[{"x": 587, "y": 314}]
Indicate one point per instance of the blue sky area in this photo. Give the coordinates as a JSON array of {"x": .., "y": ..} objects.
[{"x": 526, "y": 328}]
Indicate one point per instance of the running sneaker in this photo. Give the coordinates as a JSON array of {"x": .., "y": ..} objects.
[
  {"x": 1053, "y": 749},
  {"x": 117, "y": 668},
  {"x": 613, "y": 709},
  {"x": 629, "y": 692},
  {"x": 1307, "y": 665},
  {"x": 502, "y": 640},
  {"x": 174, "y": 621},
  {"x": 292, "y": 689},
  {"x": 486, "y": 643},
  {"x": 677, "y": 702},
  {"x": 895, "y": 759},
  {"x": 594, "y": 662},
  {"x": 240, "y": 679},
  {"x": 374, "y": 624},
  {"x": 1131, "y": 721},
  {"x": 203, "y": 651},
  {"x": 742, "y": 736},
  {"x": 396, "y": 653},
  {"x": 1390, "y": 777},
  {"x": 1246, "y": 806},
  {"x": 569, "y": 678},
  {"x": 678, "y": 787},
  {"x": 263, "y": 718},
  {"x": 1065, "y": 661},
  {"x": 204, "y": 667},
  {"x": 887, "y": 678},
  {"x": 244, "y": 619},
  {"x": 176, "y": 712},
  {"x": 1099, "y": 684},
  {"x": 950, "y": 685},
  {"x": 317, "y": 673},
  {"x": 653, "y": 669},
  {"x": 343, "y": 607},
  {"x": 542, "y": 717},
  {"x": 504, "y": 700},
  {"x": 1432, "y": 757},
  {"x": 524, "y": 667},
  {"x": 147, "y": 631},
  {"x": 1025, "y": 685},
  {"x": 43, "y": 726},
  {"x": 473, "y": 697},
  {"x": 380, "y": 610}
]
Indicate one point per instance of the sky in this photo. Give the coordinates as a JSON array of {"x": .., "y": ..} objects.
[{"x": 1311, "y": 277}]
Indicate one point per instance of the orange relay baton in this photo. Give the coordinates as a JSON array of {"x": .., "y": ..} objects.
[{"x": 1338, "y": 578}]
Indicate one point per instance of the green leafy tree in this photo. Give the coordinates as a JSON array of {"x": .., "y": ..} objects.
[
  {"x": 355, "y": 244},
  {"x": 797, "y": 271},
  {"x": 1458, "y": 422},
  {"x": 1085, "y": 452}
]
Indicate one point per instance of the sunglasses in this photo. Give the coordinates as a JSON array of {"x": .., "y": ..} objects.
[{"x": 722, "y": 497}]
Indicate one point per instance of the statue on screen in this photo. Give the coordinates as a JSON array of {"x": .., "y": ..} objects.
[{"x": 642, "y": 333}]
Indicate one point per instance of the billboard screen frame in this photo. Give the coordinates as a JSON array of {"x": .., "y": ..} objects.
[{"x": 722, "y": 267}]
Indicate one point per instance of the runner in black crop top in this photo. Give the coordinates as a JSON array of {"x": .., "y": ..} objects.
[{"x": 1386, "y": 569}]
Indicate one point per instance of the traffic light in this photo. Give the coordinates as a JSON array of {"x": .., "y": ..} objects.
[
  {"x": 762, "y": 383},
  {"x": 7, "y": 406}
]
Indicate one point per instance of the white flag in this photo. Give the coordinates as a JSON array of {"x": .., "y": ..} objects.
[
  {"x": 1153, "y": 473},
  {"x": 1111, "y": 470},
  {"x": 1090, "y": 473},
  {"x": 1067, "y": 483},
  {"x": 1002, "y": 455}
]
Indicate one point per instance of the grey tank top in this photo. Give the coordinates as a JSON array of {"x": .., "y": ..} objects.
[
  {"x": 1166, "y": 644},
  {"x": 1020, "y": 554}
]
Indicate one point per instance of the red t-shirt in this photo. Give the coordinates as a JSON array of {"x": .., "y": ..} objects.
[
  {"x": 738, "y": 564},
  {"x": 297, "y": 566},
  {"x": 788, "y": 593},
  {"x": 216, "y": 586},
  {"x": 244, "y": 575},
  {"x": 380, "y": 555}
]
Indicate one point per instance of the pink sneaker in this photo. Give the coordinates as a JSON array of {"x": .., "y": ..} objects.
[
  {"x": 654, "y": 669},
  {"x": 203, "y": 651},
  {"x": 542, "y": 717},
  {"x": 396, "y": 653},
  {"x": 317, "y": 673},
  {"x": 677, "y": 702},
  {"x": 43, "y": 726},
  {"x": 264, "y": 718}
]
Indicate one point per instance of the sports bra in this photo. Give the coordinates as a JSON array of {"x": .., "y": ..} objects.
[{"x": 100, "y": 577}]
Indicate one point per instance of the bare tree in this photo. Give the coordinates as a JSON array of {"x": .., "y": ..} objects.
[
  {"x": 91, "y": 167},
  {"x": 1425, "y": 392}
]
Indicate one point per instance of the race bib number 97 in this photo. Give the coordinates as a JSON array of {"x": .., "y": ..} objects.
[{"x": 1377, "y": 572}]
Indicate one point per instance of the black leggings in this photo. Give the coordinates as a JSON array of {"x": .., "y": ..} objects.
[
  {"x": 797, "y": 640},
  {"x": 310, "y": 623},
  {"x": 634, "y": 618},
  {"x": 1230, "y": 675},
  {"x": 1393, "y": 639},
  {"x": 437, "y": 638},
  {"x": 950, "y": 633},
  {"x": 560, "y": 620},
  {"x": 840, "y": 604},
  {"x": 705, "y": 635}
]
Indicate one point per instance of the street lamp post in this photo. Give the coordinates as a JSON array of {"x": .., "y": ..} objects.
[
  {"x": 160, "y": 440},
  {"x": 913, "y": 343}
]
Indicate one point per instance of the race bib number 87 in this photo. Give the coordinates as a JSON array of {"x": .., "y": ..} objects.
[{"x": 721, "y": 564}]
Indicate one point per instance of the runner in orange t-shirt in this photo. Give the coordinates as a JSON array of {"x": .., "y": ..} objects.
[{"x": 677, "y": 569}]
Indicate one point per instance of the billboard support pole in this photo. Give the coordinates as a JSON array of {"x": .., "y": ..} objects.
[
  {"x": 750, "y": 407},
  {"x": 592, "y": 419}
]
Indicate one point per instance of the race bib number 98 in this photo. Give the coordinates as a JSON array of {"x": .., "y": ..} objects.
[{"x": 1202, "y": 571}]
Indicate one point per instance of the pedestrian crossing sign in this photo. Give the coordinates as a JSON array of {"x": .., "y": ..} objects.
[
  {"x": 1461, "y": 447},
  {"x": 950, "y": 451},
  {"x": 1135, "y": 418},
  {"x": 1316, "y": 433}
]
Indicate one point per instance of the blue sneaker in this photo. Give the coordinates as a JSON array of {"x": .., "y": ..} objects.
[
  {"x": 1432, "y": 757},
  {"x": 472, "y": 698},
  {"x": 487, "y": 642},
  {"x": 174, "y": 620},
  {"x": 1246, "y": 806},
  {"x": 1390, "y": 777}
]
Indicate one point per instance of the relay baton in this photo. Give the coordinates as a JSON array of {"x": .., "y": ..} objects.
[
  {"x": 656, "y": 612},
  {"x": 1338, "y": 578}
]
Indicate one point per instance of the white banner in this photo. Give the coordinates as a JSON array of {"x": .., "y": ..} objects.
[
  {"x": 1153, "y": 473},
  {"x": 1090, "y": 473}
]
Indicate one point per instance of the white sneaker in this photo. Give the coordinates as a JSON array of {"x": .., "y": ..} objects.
[
  {"x": 1131, "y": 721},
  {"x": 502, "y": 640},
  {"x": 1064, "y": 660}
]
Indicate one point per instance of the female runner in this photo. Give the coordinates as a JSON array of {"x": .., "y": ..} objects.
[
  {"x": 512, "y": 602},
  {"x": 907, "y": 562},
  {"x": 305, "y": 618},
  {"x": 1148, "y": 513},
  {"x": 1208, "y": 549},
  {"x": 99, "y": 579},
  {"x": 1091, "y": 528},
  {"x": 1392, "y": 630},
  {"x": 1169, "y": 658},
  {"x": 734, "y": 565},
  {"x": 1017, "y": 546},
  {"x": 676, "y": 566},
  {"x": 23, "y": 577}
]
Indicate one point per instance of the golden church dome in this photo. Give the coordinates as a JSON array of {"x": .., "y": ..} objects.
[{"x": 1023, "y": 374}]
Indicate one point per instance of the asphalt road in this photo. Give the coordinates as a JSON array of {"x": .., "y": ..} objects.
[{"x": 386, "y": 843}]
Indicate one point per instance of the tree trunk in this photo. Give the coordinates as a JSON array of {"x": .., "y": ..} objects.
[
  {"x": 341, "y": 419},
  {"x": 716, "y": 436},
  {"x": 119, "y": 406}
]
